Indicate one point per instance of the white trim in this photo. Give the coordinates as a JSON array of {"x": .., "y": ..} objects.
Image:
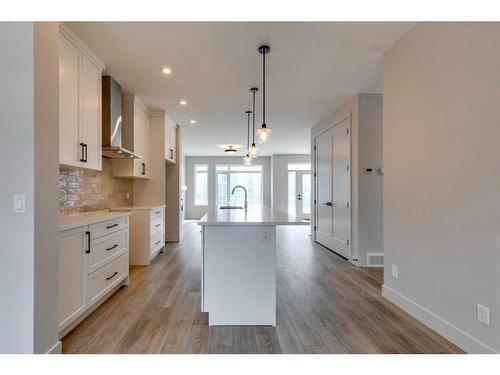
[
  {"x": 56, "y": 349},
  {"x": 71, "y": 36},
  {"x": 436, "y": 323}
]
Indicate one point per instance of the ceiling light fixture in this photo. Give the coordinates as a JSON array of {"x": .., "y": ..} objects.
[
  {"x": 192, "y": 121},
  {"x": 253, "y": 150},
  {"x": 247, "y": 160},
  {"x": 166, "y": 70},
  {"x": 264, "y": 133},
  {"x": 183, "y": 102},
  {"x": 230, "y": 149}
]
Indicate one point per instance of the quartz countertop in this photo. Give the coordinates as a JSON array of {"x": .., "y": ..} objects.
[
  {"x": 134, "y": 208},
  {"x": 79, "y": 219},
  {"x": 254, "y": 215}
]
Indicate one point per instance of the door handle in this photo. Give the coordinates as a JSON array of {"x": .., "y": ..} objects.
[
  {"x": 329, "y": 204},
  {"x": 298, "y": 197},
  {"x": 171, "y": 154}
]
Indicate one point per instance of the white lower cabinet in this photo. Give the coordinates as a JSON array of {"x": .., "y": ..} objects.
[{"x": 93, "y": 259}]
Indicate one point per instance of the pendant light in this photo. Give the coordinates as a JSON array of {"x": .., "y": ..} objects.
[
  {"x": 264, "y": 133},
  {"x": 247, "y": 160},
  {"x": 253, "y": 149}
]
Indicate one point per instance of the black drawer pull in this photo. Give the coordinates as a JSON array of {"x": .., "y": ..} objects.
[
  {"x": 82, "y": 157},
  {"x": 111, "y": 226},
  {"x": 156, "y": 243},
  {"x": 113, "y": 275},
  {"x": 157, "y": 225},
  {"x": 158, "y": 212},
  {"x": 88, "y": 242},
  {"x": 112, "y": 247}
]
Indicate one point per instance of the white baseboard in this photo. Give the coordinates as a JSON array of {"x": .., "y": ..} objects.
[
  {"x": 454, "y": 334},
  {"x": 56, "y": 349}
]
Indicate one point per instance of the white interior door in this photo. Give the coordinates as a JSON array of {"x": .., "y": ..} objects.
[
  {"x": 324, "y": 214},
  {"x": 333, "y": 189},
  {"x": 341, "y": 189}
]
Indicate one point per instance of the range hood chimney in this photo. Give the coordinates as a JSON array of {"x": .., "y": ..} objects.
[{"x": 112, "y": 121}]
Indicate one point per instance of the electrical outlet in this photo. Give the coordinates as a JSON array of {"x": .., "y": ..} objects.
[
  {"x": 266, "y": 237},
  {"x": 483, "y": 314},
  {"x": 395, "y": 271}
]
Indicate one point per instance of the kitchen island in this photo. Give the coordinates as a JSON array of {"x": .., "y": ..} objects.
[{"x": 238, "y": 264}]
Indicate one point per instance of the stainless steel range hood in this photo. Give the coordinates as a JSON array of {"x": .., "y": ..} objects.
[{"x": 112, "y": 121}]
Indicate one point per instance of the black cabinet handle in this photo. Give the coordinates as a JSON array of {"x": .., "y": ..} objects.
[
  {"x": 113, "y": 275},
  {"x": 157, "y": 225},
  {"x": 143, "y": 168},
  {"x": 86, "y": 152},
  {"x": 88, "y": 242},
  {"x": 158, "y": 212},
  {"x": 112, "y": 247},
  {"x": 171, "y": 154},
  {"x": 82, "y": 155},
  {"x": 111, "y": 226},
  {"x": 156, "y": 243}
]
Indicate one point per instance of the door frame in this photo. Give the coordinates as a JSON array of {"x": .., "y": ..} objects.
[{"x": 314, "y": 211}]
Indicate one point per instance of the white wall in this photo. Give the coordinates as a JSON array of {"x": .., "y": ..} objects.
[
  {"x": 442, "y": 178},
  {"x": 365, "y": 114},
  {"x": 29, "y": 150},
  {"x": 279, "y": 166},
  {"x": 195, "y": 212}
]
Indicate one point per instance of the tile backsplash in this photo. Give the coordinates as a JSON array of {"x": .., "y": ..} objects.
[{"x": 86, "y": 190}]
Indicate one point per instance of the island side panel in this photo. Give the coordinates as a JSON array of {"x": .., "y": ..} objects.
[{"x": 239, "y": 275}]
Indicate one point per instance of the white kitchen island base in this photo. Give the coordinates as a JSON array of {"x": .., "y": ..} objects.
[
  {"x": 239, "y": 274},
  {"x": 238, "y": 265}
]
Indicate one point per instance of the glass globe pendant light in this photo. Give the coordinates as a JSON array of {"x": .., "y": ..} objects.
[
  {"x": 264, "y": 133},
  {"x": 253, "y": 150},
  {"x": 247, "y": 160}
]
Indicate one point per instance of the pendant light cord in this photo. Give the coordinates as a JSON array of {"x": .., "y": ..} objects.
[
  {"x": 253, "y": 117},
  {"x": 264, "y": 88},
  {"x": 248, "y": 130}
]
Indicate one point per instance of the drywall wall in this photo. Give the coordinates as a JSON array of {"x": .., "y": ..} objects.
[
  {"x": 16, "y": 230},
  {"x": 365, "y": 114},
  {"x": 46, "y": 188},
  {"x": 196, "y": 212},
  {"x": 279, "y": 167},
  {"x": 29, "y": 120},
  {"x": 442, "y": 178}
]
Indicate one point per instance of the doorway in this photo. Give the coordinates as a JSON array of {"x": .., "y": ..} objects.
[
  {"x": 299, "y": 191},
  {"x": 332, "y": 189}
]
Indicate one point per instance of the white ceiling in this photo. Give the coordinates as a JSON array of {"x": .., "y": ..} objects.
[{"x": 313, "y": 67}]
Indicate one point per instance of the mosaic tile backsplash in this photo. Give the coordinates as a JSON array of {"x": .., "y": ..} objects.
[{"x": 85, "y": 190}]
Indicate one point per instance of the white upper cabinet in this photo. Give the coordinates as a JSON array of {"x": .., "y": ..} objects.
[
  {"x": 170, "y": 141},
  {"x": 79, "y": 103},
  {"x": 136, "y": 137}
]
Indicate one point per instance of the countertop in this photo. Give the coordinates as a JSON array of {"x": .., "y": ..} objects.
[
  {"x": 134, "y": 208},
  {"x": 80, "y": 219},
  {"x": 254, "y": 215}
]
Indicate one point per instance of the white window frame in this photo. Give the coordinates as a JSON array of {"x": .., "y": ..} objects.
[
  {"x": 228, "y": 173},
  {"x": 196, "y": 185}
]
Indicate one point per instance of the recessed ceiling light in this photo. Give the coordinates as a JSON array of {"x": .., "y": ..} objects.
[
  {"x": 166, "y": 70},
  {"x": 192, "y": 121},
  {"x": 183, "y": 102}
]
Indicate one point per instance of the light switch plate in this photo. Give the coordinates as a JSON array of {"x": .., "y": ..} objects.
[
  {"x": 483, "y": 314},
  {"x": 395, "y": 271},
  {"x": 20, "y": 203}
]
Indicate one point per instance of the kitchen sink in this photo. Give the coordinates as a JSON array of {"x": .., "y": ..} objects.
[{"x": 230, "y": 207}]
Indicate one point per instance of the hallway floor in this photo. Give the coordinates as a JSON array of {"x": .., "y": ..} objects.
[{"x": 324, "y": 305}]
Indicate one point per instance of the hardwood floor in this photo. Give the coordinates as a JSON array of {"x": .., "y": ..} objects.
[{"x": 324, "y": 305}]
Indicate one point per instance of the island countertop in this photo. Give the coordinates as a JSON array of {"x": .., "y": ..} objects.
[{"x": 254, "y": 215}]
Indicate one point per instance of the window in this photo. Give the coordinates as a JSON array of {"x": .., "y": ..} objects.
[
  {"x": 200, "y": 185},
  {"x": 230, "y": 176}
]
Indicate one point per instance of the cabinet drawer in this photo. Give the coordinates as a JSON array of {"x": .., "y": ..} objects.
[
  {"x": 101, "y": 229},
  {"x": 107, "y": 248},
  {"x": 157, "y": 241},
  {"x": 106, "y": 278},
  {"x": 157, "y": 212},
  {"x": 157, "y": 225}
]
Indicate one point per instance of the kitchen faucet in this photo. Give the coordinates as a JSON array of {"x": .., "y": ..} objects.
[{"x": 245, "y": 190}]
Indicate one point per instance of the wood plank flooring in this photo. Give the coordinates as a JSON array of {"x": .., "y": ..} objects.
[{"x": 324, "y": 305}]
